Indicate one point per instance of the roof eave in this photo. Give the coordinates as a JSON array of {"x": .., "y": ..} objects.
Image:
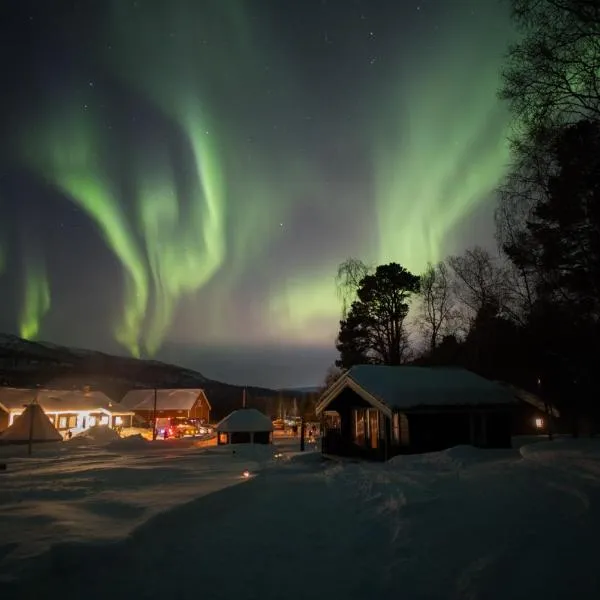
[{"x": 344, "y": 381}]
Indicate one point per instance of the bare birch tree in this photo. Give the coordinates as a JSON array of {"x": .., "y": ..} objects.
[{"x": 437, "y": 307}]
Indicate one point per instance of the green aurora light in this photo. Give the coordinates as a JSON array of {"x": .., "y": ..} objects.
[
  {"x": 446, "y": 155},
  {"x": 68, "y": 153},
  {"x": 440, "y": 152},
  {"x": 440, "y": 158},
  {"x": 37, "y": 300}
]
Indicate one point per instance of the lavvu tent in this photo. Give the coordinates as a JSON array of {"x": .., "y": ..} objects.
[{"x": 31, "y": 423}]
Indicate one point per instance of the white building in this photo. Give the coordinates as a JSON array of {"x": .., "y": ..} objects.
[{"x": 68, "y": 410}]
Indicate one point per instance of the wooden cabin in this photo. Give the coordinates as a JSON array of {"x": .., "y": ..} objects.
[
  {"x": 378, "y": 412},
  {"x": 170, "y": 403}
]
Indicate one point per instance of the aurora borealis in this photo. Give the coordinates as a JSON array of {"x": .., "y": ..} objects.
[{"x": 181, "y": 178}]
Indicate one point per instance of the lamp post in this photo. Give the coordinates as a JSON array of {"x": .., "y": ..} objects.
[
  {"x": 154, "y": 415},
  {"x": 30, "y": 440},
  {"x": 549, "y": 410}
]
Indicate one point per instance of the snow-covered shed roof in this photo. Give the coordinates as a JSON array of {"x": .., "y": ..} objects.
[
  {"x": 15, "y": 399},
  {"x": 173, "y": 399},
  {"x": 245, "y": 420},
  {"x": 412, "y": 387}
]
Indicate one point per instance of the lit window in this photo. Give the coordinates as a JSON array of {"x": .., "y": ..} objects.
[
  {"x": 539, "y": 423},
  {"x": 396, "y": 427},
  {"x": 92, "y": 422},
  {"x": 103, "y": 420},
  {"x": 118, "y": 421}
]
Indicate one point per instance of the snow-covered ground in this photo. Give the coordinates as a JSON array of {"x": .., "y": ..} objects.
[
  {"x": 100, "y": 490},
  {"x": 158, "y": 522}
]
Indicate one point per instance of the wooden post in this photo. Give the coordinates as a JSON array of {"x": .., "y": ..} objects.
[
  {"x": 154, "y": 432},
  {"x": 30, "y": 441},
  {"x": 472, "y": 429},
  {"x": 483, "y": 421}
]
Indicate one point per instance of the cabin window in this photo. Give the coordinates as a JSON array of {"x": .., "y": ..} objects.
[
  {"x": 373, "y": 425},
  {"x": 93, "y": 422},
  {"x": 359, "y": 426},
  {"x": 396, "y": 428},
  {"x": 72, "y": 422},
  {"x": 62, "y": 422}
]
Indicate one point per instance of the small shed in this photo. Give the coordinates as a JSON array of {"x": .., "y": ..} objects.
[{"x": 245, "y": 426}]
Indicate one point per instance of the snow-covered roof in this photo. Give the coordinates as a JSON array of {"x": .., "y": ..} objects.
[
  {"x": 15, "y": 399},
  {"x": 173, "y": 399},
  {"x": 532, "y": 399},
  {"x": 413, "y": 387},
  {"x": 245, "y": 419}
]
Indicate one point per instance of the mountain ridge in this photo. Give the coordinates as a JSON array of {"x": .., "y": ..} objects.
[{"x": 27, "y": 363}]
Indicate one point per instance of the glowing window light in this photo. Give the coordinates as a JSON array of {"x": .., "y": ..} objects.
[
  {"x": 539, "y": 423},
  {"x": 246, "y": 474}
]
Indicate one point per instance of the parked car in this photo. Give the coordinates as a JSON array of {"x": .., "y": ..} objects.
[
  {"x": 176, "y": 427},
  {"x": 183, "y": 427}
]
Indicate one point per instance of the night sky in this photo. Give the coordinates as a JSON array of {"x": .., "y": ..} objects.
[{"x": 181, "y": 178}]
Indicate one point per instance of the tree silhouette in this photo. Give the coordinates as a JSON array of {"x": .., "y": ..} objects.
[
  {"x": 437, "y": 306},
  {"x": 561, "y": 240},
  {"x": 551, "y": 74},
  {"x": 348, "y": 278},
  {"x": 373, "y": 330}
]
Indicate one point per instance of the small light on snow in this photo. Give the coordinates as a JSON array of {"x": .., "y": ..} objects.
[{"x": 246, "y": 474}]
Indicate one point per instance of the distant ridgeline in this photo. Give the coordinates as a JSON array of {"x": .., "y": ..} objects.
[{"x": 25, "y": 364}]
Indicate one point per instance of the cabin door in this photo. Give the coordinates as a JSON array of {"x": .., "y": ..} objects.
[{"x": 373, "y": 428}]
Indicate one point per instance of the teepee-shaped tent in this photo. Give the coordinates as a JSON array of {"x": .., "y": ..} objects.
[{"x": 32, "y": 423}]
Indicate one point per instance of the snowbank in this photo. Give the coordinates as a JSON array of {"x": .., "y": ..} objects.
[
  {"x": 563, "y": 448},
  {"x": 95, "y": 492},
  {"x": 450, "y": 459},
  {"x": 99, "y": 434},
  {"x": 131, "y": 442}
]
